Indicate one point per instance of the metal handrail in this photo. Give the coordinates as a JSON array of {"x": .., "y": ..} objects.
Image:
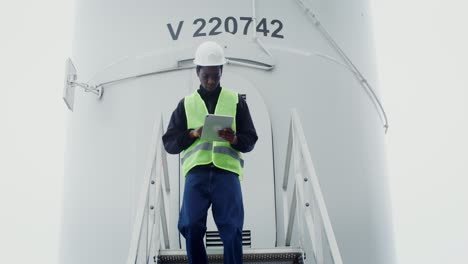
[
  {"x": 151, "y": 204},
  {"x": 313, "y": 213}
]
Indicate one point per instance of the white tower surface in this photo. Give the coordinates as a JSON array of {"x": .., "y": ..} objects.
[{"x": 313, "y": 56}]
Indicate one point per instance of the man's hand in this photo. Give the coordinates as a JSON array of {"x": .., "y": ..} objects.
[
  {"x": 196, "y": 133},
  {"x": 229, "y": 135}
]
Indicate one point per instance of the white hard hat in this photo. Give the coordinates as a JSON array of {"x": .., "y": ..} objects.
[{"x": 209, "y": 53}]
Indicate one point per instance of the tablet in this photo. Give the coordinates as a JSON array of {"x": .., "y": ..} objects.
[{"x": 214, "y": 123}]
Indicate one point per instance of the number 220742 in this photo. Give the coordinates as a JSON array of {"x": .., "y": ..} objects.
[{"x": 215, "y": 26}]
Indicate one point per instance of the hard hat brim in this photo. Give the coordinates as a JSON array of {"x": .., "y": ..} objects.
[{"x": 199, "y": 63}]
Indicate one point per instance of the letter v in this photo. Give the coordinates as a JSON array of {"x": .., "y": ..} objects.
[{"x": 171, "y": 30}]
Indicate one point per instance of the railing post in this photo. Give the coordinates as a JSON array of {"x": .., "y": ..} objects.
[
  {"x": 292, "y": 214},
  {"x": 321, "y": 219},
  {"x": 164, "y": 158},
  {"x": 147, "y": 224},
  {"x": 318, "y": 225},
  {"x": 142, "y": 201},
  {"x": 164, "y": 220},
  {"x": 288, "y": 157}
]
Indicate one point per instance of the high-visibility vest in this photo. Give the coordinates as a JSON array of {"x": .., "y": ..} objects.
[{"x": 201, "y": 152}]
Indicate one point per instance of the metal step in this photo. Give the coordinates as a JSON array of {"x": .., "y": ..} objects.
[{"x": 283, "y": 255}]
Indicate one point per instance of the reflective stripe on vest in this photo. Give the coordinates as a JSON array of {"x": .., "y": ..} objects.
[
  {"x": 229, "y": 151},
  {"x": 202, "y": 146},
  {"x": 201, "y": 152},
  {"x": 217, "y": 149}
]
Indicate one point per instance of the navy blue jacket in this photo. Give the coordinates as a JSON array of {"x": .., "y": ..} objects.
[{"x": 176, "y": 138}]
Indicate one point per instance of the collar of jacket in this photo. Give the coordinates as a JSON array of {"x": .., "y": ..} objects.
[
  {"x": 210, "y": 98},
  {"x": 205, "y": 94}
]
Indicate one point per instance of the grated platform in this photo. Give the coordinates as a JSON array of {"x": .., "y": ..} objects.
[{"x": 269, "y": 255}]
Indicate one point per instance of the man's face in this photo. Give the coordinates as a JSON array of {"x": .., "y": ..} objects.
[{"x": 210, "y": 76}]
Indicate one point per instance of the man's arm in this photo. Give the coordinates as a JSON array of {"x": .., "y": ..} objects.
[
  {"x": 178, "y": 137},
  {"x": 246, "y": 134}
]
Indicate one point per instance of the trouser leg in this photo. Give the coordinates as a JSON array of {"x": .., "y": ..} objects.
[
  {"x": 228, "y": 213},
  {"x": 192, "y": 218}
]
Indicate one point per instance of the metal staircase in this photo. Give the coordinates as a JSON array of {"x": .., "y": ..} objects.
[
  {"x": 270, "y": 255},
  {"x": 304, "y": 211}
]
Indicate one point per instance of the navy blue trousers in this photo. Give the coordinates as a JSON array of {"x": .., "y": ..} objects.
[{"x": 220, "y": 189}]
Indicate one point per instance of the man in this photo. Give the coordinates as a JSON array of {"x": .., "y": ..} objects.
[{"x": 212, "y": 169}]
